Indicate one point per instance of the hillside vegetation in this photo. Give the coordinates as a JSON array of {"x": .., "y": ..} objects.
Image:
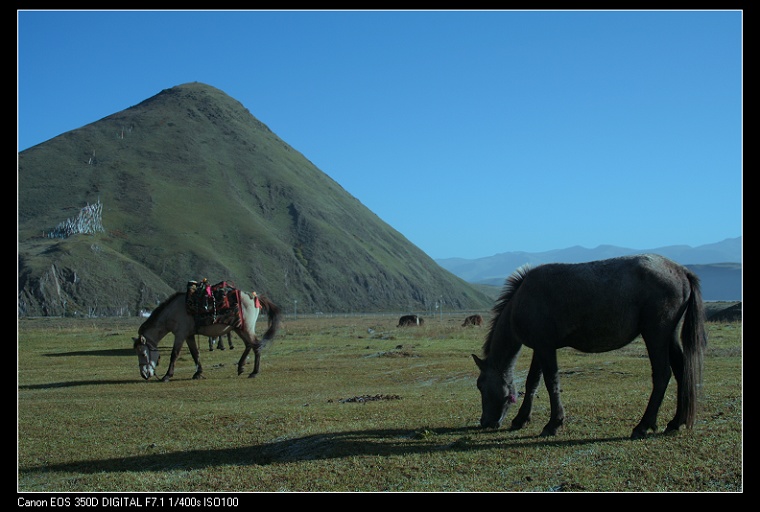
[{"x": 192, "y": 185}]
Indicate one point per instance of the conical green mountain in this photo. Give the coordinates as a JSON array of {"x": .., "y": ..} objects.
[{"x": 190, "y": 185}]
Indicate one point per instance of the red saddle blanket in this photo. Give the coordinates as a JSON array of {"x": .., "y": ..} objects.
[{"x": 214, "y": 304}]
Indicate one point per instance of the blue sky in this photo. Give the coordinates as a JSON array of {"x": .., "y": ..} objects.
[{"x": 470, "y": 132}]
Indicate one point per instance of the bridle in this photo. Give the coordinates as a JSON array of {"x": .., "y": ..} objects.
[{"x": 151, "y": 349}]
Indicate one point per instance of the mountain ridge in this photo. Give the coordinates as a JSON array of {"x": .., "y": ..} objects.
[
  {"x": 718, "y": 264},
  {"x": 192, "y": 185}
]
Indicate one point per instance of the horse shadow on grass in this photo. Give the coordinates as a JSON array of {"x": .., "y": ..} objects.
[
  {"x": 121, "y": 352},
  {"x": 111, "y": 352},
  {"x": 334, "y": 445},
  {"x": 72, "y": 384}
]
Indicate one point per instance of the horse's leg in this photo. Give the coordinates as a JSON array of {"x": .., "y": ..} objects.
[
  {"x": 677, "y": 365},
  {"x": 658, "y": 350},
  {"x": 176, "y": 349},
  {"x": 210, "y": 344},
  {"x": 548, "y": 360},
  {"x": 246, "y": 351},
  {"x": 229, "y": 340},
  {"x": 256, "y": 347},
  {"x": 196, "y": 356},
  {"x": 241, "y": 362},
  {"x": 251, "y": 343},
  {"x": 531, "y": 386}
]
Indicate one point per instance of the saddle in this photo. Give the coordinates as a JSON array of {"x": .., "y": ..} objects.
[{"x": 213, "y": 304}]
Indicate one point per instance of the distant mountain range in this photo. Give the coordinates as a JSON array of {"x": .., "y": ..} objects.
[{"x": 719, "y": 265}]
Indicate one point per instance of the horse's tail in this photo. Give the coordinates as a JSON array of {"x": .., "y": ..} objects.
[
  {"x": 694, "y": 341},
  {"x": 274, "y": 316}
]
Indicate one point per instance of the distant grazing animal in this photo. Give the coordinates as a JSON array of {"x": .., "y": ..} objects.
[
  {"x": 408, "y": 320},
  {"x": 172, "y": 316},
  {"x": 594, "y": 307},
  {"x": 473, "y": 320},
  {"x": 219, "y": 341}
]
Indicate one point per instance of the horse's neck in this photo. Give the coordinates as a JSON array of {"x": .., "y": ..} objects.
[
  {"x": 505, "y": 361},
  {"x": 162, "y": 325},
  {"x": 505, "y": 348},
  {"x": 156, "y": 332}
]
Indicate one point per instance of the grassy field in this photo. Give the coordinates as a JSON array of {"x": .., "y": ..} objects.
[{"x": 352, "y": 403}]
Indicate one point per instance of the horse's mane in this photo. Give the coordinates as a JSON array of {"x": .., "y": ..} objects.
[
  {"x": 156, "y": 313},
  {"x": 510, "y": 288}
]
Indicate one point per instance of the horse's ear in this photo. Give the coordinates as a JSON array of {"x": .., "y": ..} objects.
[{"x": 478, "y": 361}]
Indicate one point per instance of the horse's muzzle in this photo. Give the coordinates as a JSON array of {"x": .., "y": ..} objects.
[
  {"x": 492, "y": 420},
  {"x": 147, "y": 371}
]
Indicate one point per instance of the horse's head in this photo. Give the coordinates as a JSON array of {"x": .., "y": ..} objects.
[
  {"x": 147, "y": 356},
  {"x": 497, "y": 393}
]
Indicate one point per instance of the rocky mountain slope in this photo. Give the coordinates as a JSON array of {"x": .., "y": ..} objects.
[{"x": 189, "y": 184}]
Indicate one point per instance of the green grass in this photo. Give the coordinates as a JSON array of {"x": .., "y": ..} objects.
[{"x": 348, "y": 403}]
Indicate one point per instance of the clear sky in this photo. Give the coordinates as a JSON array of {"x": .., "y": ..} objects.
[{"x": 470, "y": 132}]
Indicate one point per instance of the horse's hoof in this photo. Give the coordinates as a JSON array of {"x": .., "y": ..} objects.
[
  {"x": 517, "y": 425},
  {"x": 198, "y": 376},
  {"x": 252, "y": 375}
]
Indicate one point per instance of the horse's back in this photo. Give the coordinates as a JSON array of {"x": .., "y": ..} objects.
[
  {"x": 600, "y": 305},
  {"x": 610, "y": 283}
]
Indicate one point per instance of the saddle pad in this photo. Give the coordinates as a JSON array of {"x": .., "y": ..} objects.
[{"x": 217, "y": 304}]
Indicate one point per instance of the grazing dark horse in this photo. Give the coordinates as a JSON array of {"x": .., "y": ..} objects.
[
  {"x": 172, "y": 316},
  {"x": 473, "y": 320},
  {"x": 594, "y": 307},
  {"x": 408, "y": 320},
  {"x": 219, "y": 341}
]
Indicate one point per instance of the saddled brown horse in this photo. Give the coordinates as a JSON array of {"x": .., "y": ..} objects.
[
  {"x": 595, "y": 307},
  {"x": 172, "y": 316}
]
